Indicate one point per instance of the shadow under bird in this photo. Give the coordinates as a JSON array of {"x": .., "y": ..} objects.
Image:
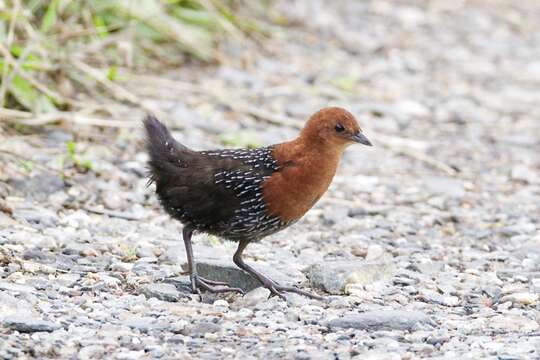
[{"x": 244, "y": 195}]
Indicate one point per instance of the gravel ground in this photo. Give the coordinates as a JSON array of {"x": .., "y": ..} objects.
[{"x": 426, "y": 245}]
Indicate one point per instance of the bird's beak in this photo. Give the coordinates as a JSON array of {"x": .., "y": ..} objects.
[{"x": 361, "y": 138}]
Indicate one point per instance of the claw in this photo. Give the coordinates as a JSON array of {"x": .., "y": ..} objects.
[
  {"x": 212, "y": 282},
  {"x": 275, "y": 288},
  {"x": 299, "y": 291},
  {"x": 278, "y": 290},
  {"x": 275, "y": 292},
  {"x": 212, "y": 286}
]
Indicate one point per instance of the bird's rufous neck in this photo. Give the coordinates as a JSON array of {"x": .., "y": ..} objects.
[
  {"x": 324, "y": 150},
  {"x": 304, "y": 174}
]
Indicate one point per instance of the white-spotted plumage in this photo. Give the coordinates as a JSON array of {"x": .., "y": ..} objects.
[{"x": 251, "y": 218}]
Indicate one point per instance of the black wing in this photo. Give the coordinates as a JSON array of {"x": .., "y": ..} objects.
[{"x": 204, "y": 189}]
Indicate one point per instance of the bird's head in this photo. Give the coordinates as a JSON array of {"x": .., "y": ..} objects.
[{"x": 333, "y": 127}]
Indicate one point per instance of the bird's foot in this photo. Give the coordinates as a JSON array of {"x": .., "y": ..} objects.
[
  {"x": 279, "y": 290},
  {"x": 198, "y": 283}
]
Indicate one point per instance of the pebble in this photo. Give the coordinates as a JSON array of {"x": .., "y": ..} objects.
[
  {"x": 523, "y": 298},
  {"x": 16, "y": 288},
  {"x": 165, "y": 292},
  {"x": 29, "y": 325},
  {"x": 334, "y": 276},
  {"x": 201, "y": 329},
  {"x": 383, "y": 320},
  {"x": 221, "y": 304}
]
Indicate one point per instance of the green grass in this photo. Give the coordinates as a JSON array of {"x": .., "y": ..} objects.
[{"x": 43, "y": 44}]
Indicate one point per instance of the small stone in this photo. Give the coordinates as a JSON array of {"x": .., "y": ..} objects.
[
  {"x": 528, "y": 263},
  {"x": 91, "y": 352},
  {"x": 145, "y": 252},
  {"x": 411, "y": 108},
  {"x": 436, "y": 298},
  {"x": 521, "y": 172},
  {"x": 130, "y": 354},
  {"x": 424, "y": 349},
  {"x": 518, "y": 229},
  {"x": 335, "y": 214},
  {"x": 444, "y": 186},
  {"x": 428, "y": 268},
  {"x": 164, "y": 292},
  {"x": 252, "y": 298},
  {"x": 38, "y": 187},
  {"x": 378, "y": 354},
  {"x": 15, "y": 288},
  {"x": 359, "y": 251},
  {"x": 35, "y": 254},
  {"x": 13, "y": 305},
  {"x": 155, "y": 351},
  {"x": 536, "y": 285},
  {"x": 509, "y": 322},
  {"x": 122, "y": 267},
  {"x": 145, "y": 323},
  {"x": 40, "y": 217},
  {"x": 374, "y": 252},
  {"x": 89, "y": 252},
  {"x": 334, "y": 276},
  {"x": 177, "y": 326},
  {"x": 383, "y": 320},
  {"x": 113, "y": 201},
  {"x": 29, "y": 325},
  {"x": 524, "y": 298},
  {"x": 221, "y": 304},
  {"x": 200, "y": 329},
  {"x": 68, "y": 280}
]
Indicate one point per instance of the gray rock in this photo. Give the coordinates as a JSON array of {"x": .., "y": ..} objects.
[
  {"x": 68, "y": 280},
  {"x": 383, "y": 320},
  {"x": 16, "y": 288},
  {"x": 38, "y": 187},
  {"x": 524, "y": 173},
  {"x": 235, "y": 277},
  {"x": 13, "y": 306},
  {"x": 165, "y": 292},
  {"x": 201, "y": 328},
  {"x": 237, "y": 77},
  {"x": 252, "y": 298},
  {"x": 333, "y": 276},
  {"x": 145, "y": 324},
  {"x": 428, "y": 268},
  {"x": 75, "y": 248},
  {"x": 145, "y": 252},
  {"x": 39, "y": 216},
  {"x": 35, "y": 254},
  {"x": 518, "y": 229},
  {"x": 182, "y": 283},
  {"x": 335, "y": 214},
  {"x": 29, "y": 325},
  {"x": 91, "y": 352},
  {"x": 125, "y": 354},
  {"x": 444, "y": 186},
  {"x": 155, "y": 351},
  {"x": 378, "y": 354}
]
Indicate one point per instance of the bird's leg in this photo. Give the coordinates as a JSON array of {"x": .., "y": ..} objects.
[
  {"x": 274, "y": 287},
  {"x": 198, "y": 282}
]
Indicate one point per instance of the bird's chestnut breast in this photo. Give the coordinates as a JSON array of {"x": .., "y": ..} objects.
[{"x": 302, "y": 179}]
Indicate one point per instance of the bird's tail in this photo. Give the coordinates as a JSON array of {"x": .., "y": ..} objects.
[{"x": 167, "y": 156}]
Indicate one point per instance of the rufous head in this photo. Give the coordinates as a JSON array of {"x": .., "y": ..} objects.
[{"x": 334, "y": 127}]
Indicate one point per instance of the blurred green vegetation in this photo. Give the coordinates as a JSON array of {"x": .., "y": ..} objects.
[{"x": 52, "y": 50}]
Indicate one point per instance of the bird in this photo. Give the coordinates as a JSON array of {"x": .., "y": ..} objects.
[{"x": 244, "y": 195}]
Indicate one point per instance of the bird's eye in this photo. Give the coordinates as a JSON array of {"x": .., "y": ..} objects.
[{"x": 339, "y": 127}]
